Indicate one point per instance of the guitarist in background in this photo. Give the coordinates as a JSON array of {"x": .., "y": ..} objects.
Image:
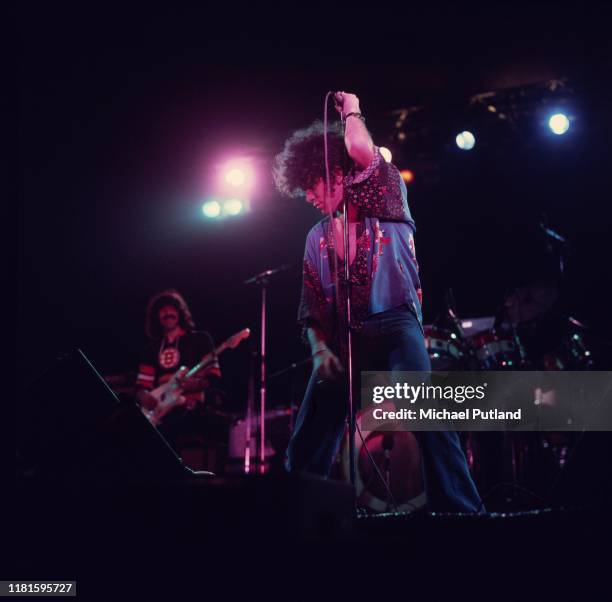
[{"x": 174, "y": 343}]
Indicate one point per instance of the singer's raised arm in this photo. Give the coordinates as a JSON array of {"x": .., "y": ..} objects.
[
  {"x": 374, "y": 186},
  {"x": 357, "y": 139}
]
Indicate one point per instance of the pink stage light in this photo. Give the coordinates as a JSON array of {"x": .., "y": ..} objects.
[{"x": 237, "y": 176}]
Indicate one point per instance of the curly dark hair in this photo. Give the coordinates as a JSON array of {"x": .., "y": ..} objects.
[
  {"x": 302, "y": 161},
  {"x": 170, "y": 296}
]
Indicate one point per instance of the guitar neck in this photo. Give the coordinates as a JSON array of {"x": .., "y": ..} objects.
[
  {"x": 231, "y": 342},
  {"x": 205, "y": 360}
]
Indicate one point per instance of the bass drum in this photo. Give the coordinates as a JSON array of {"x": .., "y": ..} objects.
[
  {"x": 444, "y": 349},
  {"x": 398, "y": 458},
  {"x": 496, "y": 351}
]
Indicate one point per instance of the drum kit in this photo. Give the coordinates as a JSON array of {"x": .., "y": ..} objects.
[{"x": 528, "y": 333}]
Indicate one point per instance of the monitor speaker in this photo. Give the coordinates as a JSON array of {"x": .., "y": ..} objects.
[{"x": 71, "y": 425}]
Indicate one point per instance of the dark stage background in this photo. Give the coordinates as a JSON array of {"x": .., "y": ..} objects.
[{"x": 122, "y": 117}]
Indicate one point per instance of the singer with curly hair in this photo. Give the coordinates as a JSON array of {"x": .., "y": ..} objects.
[{"x": 386, "y": 295}]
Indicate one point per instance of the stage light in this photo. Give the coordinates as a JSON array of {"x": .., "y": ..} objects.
[
  {"x": 211, "y": 209},
  {"x": 233, "y": 206},
  {"x": 235, "y": 176},
  {"x": 386, "y": 153},
  {"x": 559, "y": 123},
  {"x": 465, "y": 140},
  {"x": 407, "y": 175}
]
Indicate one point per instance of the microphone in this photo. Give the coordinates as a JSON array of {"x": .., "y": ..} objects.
[
  {"x": 338, "y": 99},
  {"x": 258, "y": 278}
]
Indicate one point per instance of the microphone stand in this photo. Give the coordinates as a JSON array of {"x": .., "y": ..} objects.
[
  {"x": 347, "y": 273},
  {"x": 262, "y": 280},
  {"x": 349, "y": 342},
  {"x": 250, "y": 412},
  {"x": 387, "y": 445}
]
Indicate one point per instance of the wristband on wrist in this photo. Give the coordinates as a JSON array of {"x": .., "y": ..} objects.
[{"x": 354, "y": 114}]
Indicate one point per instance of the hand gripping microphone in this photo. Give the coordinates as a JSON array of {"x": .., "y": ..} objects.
[{"x": 338, "y": 99}]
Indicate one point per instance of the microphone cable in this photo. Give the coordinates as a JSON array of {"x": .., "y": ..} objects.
[{"x": 330, "y": 212}]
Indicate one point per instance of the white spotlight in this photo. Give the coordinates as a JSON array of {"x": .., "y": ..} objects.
[
  {"x": 235, "y": 176},
  {"x": 559, "y": 123},
  {"x": 211, "y": 209},
  {"x": 465, "y": 140},
  {"x": 386, "y": 153},
  {"x": 233, "y": 206}
]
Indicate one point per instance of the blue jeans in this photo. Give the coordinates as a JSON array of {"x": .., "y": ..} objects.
[{"x": 392, "y": 341}]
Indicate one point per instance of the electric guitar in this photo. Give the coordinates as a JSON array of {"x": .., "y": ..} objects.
[{"x": 169, "y": 395}]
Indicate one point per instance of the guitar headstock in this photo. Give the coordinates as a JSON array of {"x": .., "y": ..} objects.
[
  {"x": 237, "y": 338},
  {"x": 231, "y": 343}
]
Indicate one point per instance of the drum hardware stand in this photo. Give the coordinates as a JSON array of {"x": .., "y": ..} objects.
[
  {"x": 554, "y": 236},
  {"x": 291, "y": 370},
  {"x": 292, "y": 398},
  {"x": 519, "y": 346},
  {"x": 262, "y": 280},
  {"x": 387, "y": 445},
  {"x": 451, "y": 310},
  {"x": 452, "y": 313}
]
